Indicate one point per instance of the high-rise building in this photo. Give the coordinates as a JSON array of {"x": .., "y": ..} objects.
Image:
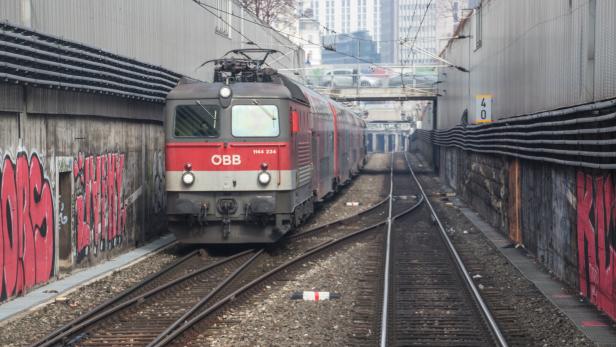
[
  {"x": 417, "y": 22},
  {"x": 423, "y": 25},
  {"x": 346, "y": 16},
  {"x": 388, "y": 31},
  {"x": 358, "y": 44},
  {"x": 335, "y": 17},
  {"x": 310, "y": 34}
]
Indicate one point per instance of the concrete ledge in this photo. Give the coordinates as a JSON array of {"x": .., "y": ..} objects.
[
  {"x": 47, "y": 293},
  {"x": 591, "y": 322}
]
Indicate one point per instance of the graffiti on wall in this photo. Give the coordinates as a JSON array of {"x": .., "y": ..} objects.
[
  {"x": 26, "y": 225},
  {"x": 100, "y": 212},
  {"x": 158, "y": 174},
  {"x": 596, "y": 229}
]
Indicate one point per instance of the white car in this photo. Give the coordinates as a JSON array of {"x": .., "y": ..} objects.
[{"x": 345, "y": 78}]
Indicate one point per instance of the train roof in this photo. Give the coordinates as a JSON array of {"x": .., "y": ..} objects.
[
  {"x": 204, "y": 90},
  {"x": 281, "y": 88}
]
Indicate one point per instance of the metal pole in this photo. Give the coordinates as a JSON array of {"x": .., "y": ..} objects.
[{"x": 357, "y": 72}]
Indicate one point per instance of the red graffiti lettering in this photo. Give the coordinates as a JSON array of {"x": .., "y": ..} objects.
[
  {"x": 99, "y": 206},
  {"x": 26, "y": 225},
  {"x": 596, "y": 229}
]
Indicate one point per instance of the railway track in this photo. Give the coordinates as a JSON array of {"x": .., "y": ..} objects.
[
  {"x": 425, "y": 302},
  {"x": 186, "y": 264},
  {"x": 191, "y": 332},
  {"x": 152, "y": 310},
  {"x": 501, "y": 306}
]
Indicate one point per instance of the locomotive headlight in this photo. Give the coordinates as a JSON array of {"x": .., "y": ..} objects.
[
  {"x": 264, "y": 178},
  {"x": 225, "y": 92},
  {"x": 188, "y": 178}
]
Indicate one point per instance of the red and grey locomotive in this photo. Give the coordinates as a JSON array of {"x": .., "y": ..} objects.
[{"x": 249, "y": 155}]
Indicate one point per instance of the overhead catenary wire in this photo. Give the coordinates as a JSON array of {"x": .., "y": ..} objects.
[
  {"x": 421, "y": 23},
  {"x": 327, "y": 29},
  {"x": 205, "y": 7},
  {"x": 267, "y": 26},
  {"x": 408, "y": 30}
]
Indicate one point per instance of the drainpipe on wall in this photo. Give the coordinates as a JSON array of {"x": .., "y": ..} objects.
[
  {"x": 144, "y": 196},
  {"x": 25, "y": 21}
]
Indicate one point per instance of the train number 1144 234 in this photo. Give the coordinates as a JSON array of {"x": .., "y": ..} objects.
[{"x": 264, "y": 151}]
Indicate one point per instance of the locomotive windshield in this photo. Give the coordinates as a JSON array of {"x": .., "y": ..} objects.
[
  {"x": 255, "y": 121},
  {"x": 196, "y": 120}
]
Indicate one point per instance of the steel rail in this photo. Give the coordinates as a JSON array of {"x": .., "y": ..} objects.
[
  {"x": 337, "y": 221},
  {"x": 325, "y": 245},
  {"x": 105, "y": 305},
  {"x": 384, "y": 312},
  {"x": 92, "y": 319},
  {"x": 205, "y": 299},
  {"x": 498, "y": 336}
]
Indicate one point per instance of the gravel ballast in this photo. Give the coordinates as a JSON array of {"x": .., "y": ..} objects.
[
  {"x": 277, "y": 320},
  {"x": 34, "y": 325},
  {"x": 536, "y": 317},
  {"x": 366, "y": 190},
  {"x": 31, "y": 326}
]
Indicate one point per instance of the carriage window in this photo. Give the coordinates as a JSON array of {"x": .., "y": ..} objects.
[
  {"x": 255, "y": 121},
  {"x": 196, "y": 120}
]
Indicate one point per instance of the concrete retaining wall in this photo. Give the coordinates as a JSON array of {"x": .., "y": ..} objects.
[
  {"x": 80, "y": 181},
  {"x": 565, "y": 216}
]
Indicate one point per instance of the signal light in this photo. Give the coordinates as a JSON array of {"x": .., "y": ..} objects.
[
  {"x": 264, "y": 166},
  {"x": 188, "y": 166},
  {"x": 294, "y": 122}
]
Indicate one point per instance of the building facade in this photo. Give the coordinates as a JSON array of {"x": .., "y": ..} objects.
[
  {"x": 348, "y": 47},
  {"x": 339, "y": 19},
  {"x": 309, "y": 34},
  {"x": 346, "y": 16},
  {"x": 417, "y": 23}
]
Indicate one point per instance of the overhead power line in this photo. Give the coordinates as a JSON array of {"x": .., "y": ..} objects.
[
  {"x": 421, "y": 23},
  {"x": 269, "y": 27},
  {"x": 207, "y": 7}
]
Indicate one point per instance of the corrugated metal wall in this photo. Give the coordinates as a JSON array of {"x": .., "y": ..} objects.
[
  {"x": 176, "y": 34},
  {"x": 535, "y": 55},
  {"x": 605, "y": 73}
]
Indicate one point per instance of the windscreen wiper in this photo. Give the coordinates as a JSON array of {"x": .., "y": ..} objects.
[{"x": 208, "y": 112}]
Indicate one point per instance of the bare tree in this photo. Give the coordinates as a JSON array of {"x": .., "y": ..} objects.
[{"x": 272, "y": 12}]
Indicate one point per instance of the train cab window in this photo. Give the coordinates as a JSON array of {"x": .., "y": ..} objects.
[
  {"x": 198, "y": 120},
  {"x": 255, "y": 121}
]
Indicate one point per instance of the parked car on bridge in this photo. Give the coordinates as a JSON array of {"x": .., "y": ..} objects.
[{"x": 347, "y": 78}]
